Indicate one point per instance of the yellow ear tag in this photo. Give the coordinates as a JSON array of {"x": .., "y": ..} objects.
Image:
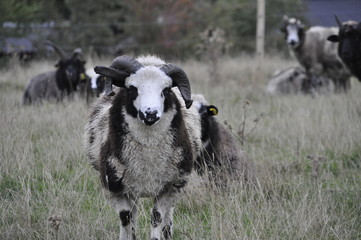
[
  {"x": 82, "y": 76},
  {"x": 213, "y": 110}
]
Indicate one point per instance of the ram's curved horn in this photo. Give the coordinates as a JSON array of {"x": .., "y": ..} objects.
[
  {"x": 338, "y": 22},
  {"x": 126, "y": 63},
  {"x": 112, "y": 76},
  {"x": 300, "y": 24},
  {"x": 57, "y": 49},
  {"x": 119, "y": 70},
  {"x": 284, "y": 23},
  {"x": 180, "y": 80},
  {"x": 358, "y": 27},
  {"x": 285, "y": 18}
]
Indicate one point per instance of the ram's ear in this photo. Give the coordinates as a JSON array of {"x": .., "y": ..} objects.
[
  {"x": 333, "y": 38},
  {"x": 108, "y": 87},
  {"x": 212, "y": 110},
  {"x": 117, "y": 76}
]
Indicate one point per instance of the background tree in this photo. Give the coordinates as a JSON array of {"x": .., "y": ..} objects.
[
  {"x": 19, "y": 11},
  {"x": 238, "y": 19},
  {"x": 96, "y": 26},
  {"x": 167, "y": 28}
]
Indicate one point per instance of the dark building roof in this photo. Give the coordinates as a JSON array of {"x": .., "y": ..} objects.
[{"x": 321, "y": 12}]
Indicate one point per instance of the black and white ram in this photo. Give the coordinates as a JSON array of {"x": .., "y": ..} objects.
[
  {"x": 144, "y": 140},
  {"x": 349, "y": 45},
  {"x": 317, "y": 55},
  {"x": 63, "y": 81},
  {"x": 221, "y": 156}
]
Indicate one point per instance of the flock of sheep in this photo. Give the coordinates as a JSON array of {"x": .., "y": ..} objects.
[
  {"x": 70, "y": 76},
  {"x": 146, "y": 135},
  {"x": 328, "y": 57},
  {"x": 147, "y": 132}
]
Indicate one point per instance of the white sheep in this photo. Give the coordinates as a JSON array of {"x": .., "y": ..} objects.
[
  {"x": 287, "y": 81},
  {"x": 144, "y": 139}
]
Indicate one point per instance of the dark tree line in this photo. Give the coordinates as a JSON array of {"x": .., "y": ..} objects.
[{"x": 170, "y": 28}]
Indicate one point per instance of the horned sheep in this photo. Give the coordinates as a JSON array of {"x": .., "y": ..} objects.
[
  {"x": 349, "y": 45},
  {"x": 144, "y": 139},
  {"x": 317, "y": 55},
  {"x": 54, "y": 85}
]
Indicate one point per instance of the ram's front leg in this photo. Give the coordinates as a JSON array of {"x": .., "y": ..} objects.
[
  {"x": 162, "y": 217},
  {"x": 126, "y": 208}
]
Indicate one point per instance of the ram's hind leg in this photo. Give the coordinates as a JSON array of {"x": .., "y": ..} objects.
[
  {"x": 167, "y": 226},
  {"x": 126, "y": 208},
  {"x": 162, "y": 217}
]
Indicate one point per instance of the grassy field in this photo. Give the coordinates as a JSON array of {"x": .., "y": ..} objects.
[{"x": 307, "y": 152}]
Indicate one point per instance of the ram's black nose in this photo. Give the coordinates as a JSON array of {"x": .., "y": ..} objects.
[
  {"x": 150, "y": 117},
  {"x": 292, "y": 42}
]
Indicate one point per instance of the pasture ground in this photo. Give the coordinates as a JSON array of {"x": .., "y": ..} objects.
[{"x": 307, "y": 152}]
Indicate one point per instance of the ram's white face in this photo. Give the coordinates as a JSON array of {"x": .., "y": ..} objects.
[
  {"x": 93, "y": 82},
  {"x": 150, "y": 85},
  {"x": 293, "y": 39}
]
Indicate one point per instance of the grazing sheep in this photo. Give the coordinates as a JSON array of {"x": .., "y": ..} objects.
[
  {"x": 349, "y": 45},
  {"x": 221, "y": 156},
  {"x": 144, "y": 140},
  {"x": 287, "y": 81},
  {"x": 56, "y": 84},
  {"x": 317, "y": 55}
]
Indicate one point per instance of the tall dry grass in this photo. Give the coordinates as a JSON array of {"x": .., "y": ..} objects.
[{"x": 307, "y": 152}]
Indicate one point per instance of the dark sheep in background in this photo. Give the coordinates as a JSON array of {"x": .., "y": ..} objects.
[
  {"x": 54, "y": 85},
  {"x": 221, "y": 156},
  {"x": 349, "y": 45}
]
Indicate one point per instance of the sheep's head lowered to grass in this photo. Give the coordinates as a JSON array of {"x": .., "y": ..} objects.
[{"x": 147, "y": 86}]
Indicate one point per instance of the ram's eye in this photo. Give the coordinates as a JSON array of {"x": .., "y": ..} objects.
[
  {"x": 133, "y": 91},
  {"x": 166, "y": 91}
]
